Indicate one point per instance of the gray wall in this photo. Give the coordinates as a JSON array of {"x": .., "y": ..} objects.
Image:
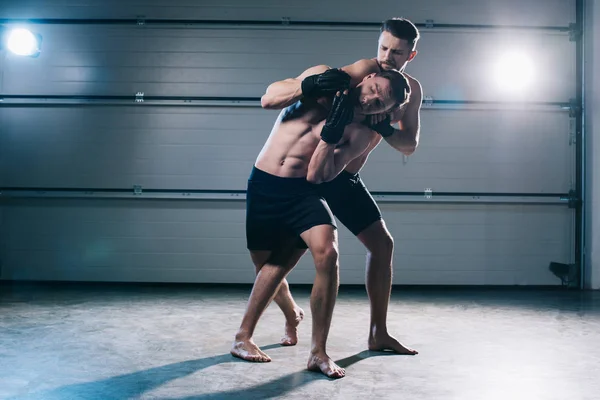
[
  {"x": 2, "y": 153},
  {"x": 471, "y": 149},
  {"x": 510, "y": 12},
  {"x": 593, "y": 143}
]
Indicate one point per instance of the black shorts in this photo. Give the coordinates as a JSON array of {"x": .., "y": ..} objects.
[
  {"x": 279, "y": 209},
  {"x": 350, "y": 201}
]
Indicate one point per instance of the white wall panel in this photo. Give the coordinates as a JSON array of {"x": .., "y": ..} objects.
[
  {"x": 592, "y": 127},
  {"x": 480, "y": 151},
  {"x": 215, "y": 148},
  {"x": 116, "y": 147},
  {"x": 507, "y": 12},
  {"x": 192, "y": 241},
  {"x": 102, "y": 60}
]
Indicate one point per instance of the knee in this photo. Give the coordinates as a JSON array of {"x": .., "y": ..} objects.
[
  {"x": 326, "y": 258},
  {"x": 381, "y": 245},
  {"x": 387, "y": 243}
]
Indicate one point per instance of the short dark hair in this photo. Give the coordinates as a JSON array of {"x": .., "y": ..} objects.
[
  {"x": 402, "y": 29},
  {"x": 400, "y": 86}
]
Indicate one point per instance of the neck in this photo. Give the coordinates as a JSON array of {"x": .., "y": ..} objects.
[{"x": 359, "y": 116}]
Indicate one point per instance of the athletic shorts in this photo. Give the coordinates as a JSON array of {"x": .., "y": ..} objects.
[
  {"x": 279, "y": 209},
  {"x": 350, "y": 201}
]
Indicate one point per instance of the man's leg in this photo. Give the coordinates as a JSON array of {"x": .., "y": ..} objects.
[
  {"x": 267, "y": 281},
  {"x": 363, "y": 218},
  {"x": 322, "y": 242},
  {"x": 293, "y": 313},
  {"x": 380, "y": 246}
]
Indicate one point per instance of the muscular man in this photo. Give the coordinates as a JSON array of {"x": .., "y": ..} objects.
[
  {"x": 312, "y": 141},
  {"x": 362, "y": 217},
  {"x": 396, "y": 47}
]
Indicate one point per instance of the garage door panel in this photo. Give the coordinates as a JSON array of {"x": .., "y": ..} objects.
[
  {"x": 106, "y": 60},
  {"x": 511, "y": 12},
  {"x": 183, "y": 241},
  {"x": 200, "y": 148},
  {"x": 463, "y": 148}
]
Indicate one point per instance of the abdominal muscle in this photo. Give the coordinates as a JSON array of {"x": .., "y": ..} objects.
[{"x": 290, "y": 146}]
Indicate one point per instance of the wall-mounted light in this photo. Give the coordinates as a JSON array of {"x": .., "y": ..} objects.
[
  {"x": 21, "y": 41},
  {"x": 514, "y": 72}
]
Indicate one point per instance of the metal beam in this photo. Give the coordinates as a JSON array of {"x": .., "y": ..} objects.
[
  {"x": 284, "y": 22},
  {"x": 33, "y": 100},
  {"x": 201, "y": 194},
  {"x": 580, "y": 142}
]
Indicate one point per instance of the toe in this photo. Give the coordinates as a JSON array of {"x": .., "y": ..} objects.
[{"x": 337, "y": 373}]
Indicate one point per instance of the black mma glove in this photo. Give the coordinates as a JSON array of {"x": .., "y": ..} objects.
[
  {"x": 384, "y": 128},
  {"x": 327, "y": 83},
  {"x": 340, "y": 115}
]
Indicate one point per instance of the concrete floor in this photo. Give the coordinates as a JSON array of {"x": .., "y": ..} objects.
[{"x": 144, "y": 342}]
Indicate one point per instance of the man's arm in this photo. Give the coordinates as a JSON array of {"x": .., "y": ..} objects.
[
  {"x": 328, "y": 160},
  {"x": 359, "y": 69},
  {"x": 282, "y": 94},
  {"x": 315, "y": 82},
  {"x": 406, "y": 139}
]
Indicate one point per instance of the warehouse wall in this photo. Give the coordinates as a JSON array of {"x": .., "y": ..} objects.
[
  {"x": 187, "y": 147},
  {"x": 515, "y": 12},
  {"x": 592, "y": 99}
]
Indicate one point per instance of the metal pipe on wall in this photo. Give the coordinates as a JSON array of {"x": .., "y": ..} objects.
[
  {"x": 429, "y": 196},
  {"x": 580, "y": 169},
  {"x": 284, "y": 22},
  {"x": 43, "y": 99}
]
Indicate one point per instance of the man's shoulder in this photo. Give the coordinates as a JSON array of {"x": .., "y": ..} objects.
[
  {"x": 414, "y": 83},
  {"x": 370, "y": 63},
  {"x": 317, "y": 69},
  {"x": 361, "y": 68}
]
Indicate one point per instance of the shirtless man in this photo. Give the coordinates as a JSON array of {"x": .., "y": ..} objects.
[
  {"x": 312, "y": 141},
  {"x": 396, "y": 47}
]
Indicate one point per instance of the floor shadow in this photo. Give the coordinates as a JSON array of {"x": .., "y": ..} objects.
[
  {"x": 133, "y": 385},
  {"x": 278, "y": 388}
]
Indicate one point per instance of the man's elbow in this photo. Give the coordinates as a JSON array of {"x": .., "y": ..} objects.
[
  {"x": 408, "y": 151},
  {"x": 314, "y": 178},
  {"x": 410, "y": 148},
  {"x": 318, "y": 178},
  {"x": 267, "y": 102}
]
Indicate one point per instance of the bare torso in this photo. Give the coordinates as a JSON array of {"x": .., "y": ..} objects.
[
  {"x": 296, "y": 134},
  {"x": 294, "y": 138}
]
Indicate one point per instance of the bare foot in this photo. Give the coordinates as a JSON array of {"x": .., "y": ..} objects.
[
  {"x": 322, "y": 363},
  {"x": 290, "y": 338},
  {"x": 249, "y": 351},
  {"x": 386, "y": 342}
]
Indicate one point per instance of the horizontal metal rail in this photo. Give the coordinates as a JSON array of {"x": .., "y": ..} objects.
[
  {"x": 202, "y": 194},
  {"x": 33, "y": 100},
  {"x": 284, "y": 22}
]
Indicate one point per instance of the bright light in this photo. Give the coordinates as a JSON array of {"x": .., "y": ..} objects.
[
  {"x": 23, "y": 43},
  {"x": 514, "y": 72}
]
